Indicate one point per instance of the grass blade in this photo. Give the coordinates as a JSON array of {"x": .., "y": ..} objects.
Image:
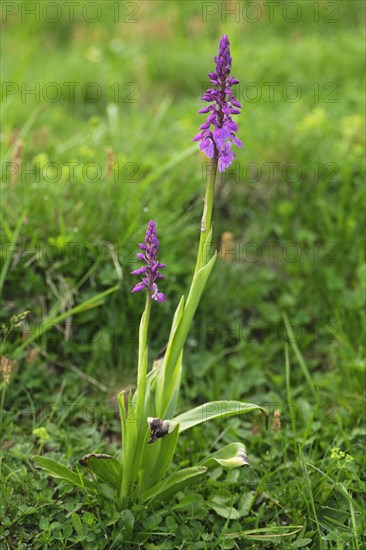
[
  {"x": 299, "y": 356},
  {"x": 95, "y": 301},
  {"x": 10, "y": 254}
]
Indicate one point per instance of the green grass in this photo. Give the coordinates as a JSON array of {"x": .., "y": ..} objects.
[{"x": 294, "y": 206}]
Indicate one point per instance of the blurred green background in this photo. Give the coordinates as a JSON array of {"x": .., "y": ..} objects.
[{"x": 99, "y": 107}]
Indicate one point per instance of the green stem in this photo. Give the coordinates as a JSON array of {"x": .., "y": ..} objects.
[
  {"x": 207, "y": 215},
  {"x": 194, "y": 294},
  {"x": 142, "y": 361},
  {"x": 131, "y": 432}
]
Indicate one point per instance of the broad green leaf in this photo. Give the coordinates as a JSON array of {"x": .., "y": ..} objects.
[
  {"x": 180, "y": 336},
  {"x": 160, "y": 380},
  {"x": 105, "y": 467},
  {"x": 157, "y": 458},
  {"x": 176, "y": 320},
  {"x": 173, "y": 484},
  {"x": 213, "y": 410},
  {"x": 173, "y": 391},
  {"x": 151, "y": 379},
  {"x": 177, "y": 381},
  {"x": 231, "y": 456},
  {"x": 129, "y": 422},
  {"x": 54, "y": 469},
  {"x": 140, "y": 428},
  {"x": 122, "y": 406}
]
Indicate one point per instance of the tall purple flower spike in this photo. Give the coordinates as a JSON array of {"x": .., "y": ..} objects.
[
  {"x": 219, "y": 141},
  {"x": 150, "y": 270}
]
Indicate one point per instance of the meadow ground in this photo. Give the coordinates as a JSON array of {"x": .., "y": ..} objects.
[{"x": 99, "y": 107}]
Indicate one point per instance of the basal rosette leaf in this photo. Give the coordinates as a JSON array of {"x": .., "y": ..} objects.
[
  {"x": 104, "y": 467},
  {"x": 54, "y": 469},
  {"x": 174, "y": 483},
  {"x": 231, "y": 456},
  {"x": 215, "y": 410}
]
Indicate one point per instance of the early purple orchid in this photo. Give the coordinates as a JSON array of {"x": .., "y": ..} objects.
[
  {"x": 217, "y": 143},
  {"x": 150, "y": 270}
]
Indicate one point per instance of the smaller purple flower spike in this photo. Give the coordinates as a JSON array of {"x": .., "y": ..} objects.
[
  {"x": 150, "y": 270},
  {"x": 217, "y": 143}
]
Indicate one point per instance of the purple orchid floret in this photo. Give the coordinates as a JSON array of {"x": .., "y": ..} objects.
[
  {"x": 150, "y": 271},
  {"x": 218, "y": 142}
]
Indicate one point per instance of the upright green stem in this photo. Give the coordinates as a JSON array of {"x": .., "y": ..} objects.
[
  {"x": 194, "y": 294},
  {"x": 207, "y": 214},
  {"x": 131, "y": 431},
  {"x": 142, "y": 364}
]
